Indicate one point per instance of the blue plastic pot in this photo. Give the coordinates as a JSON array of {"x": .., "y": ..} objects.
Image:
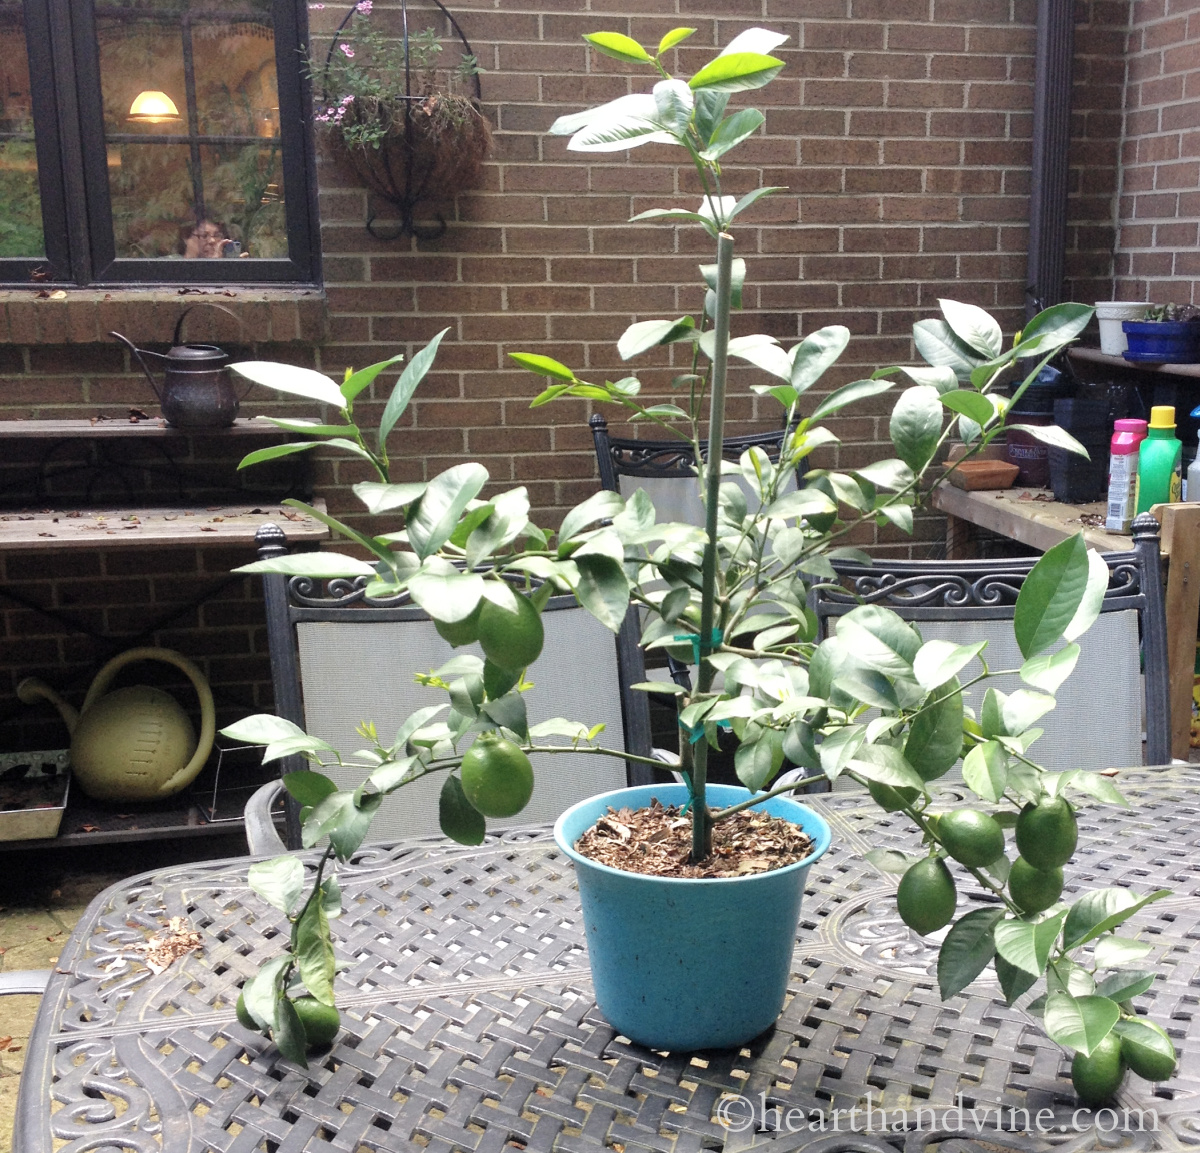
[
  {"x": 1162, "y": 341},
  {"x": 684, "y": 964}
]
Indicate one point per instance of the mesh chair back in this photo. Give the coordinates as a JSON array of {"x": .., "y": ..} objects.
[{"x": 1103, "y": 707}]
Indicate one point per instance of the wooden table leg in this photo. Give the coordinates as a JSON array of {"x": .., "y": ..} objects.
[
  {"x": 1181, "y": 544},
  {"x": 960, "y": 538}
]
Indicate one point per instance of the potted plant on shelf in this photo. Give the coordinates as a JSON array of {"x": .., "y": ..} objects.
[
  {"x": 407, "y": 122},
  {"x": 734, "y": 595},
  {"x": 1167, "y": 334}
]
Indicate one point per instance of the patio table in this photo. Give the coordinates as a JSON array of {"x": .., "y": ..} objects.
[{"x": 469, "y": 1022}]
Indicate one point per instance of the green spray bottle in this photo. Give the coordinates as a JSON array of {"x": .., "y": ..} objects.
[{"x": 1160, "y": 460}]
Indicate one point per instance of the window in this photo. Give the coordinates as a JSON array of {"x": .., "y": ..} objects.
[{"x": 147, "y": 141}]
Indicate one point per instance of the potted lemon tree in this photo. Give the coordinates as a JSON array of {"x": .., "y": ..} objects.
[{"x": 734, "y": 595}]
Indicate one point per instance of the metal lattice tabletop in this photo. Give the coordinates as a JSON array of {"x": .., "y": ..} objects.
[{"x": 469, "y": 1023}]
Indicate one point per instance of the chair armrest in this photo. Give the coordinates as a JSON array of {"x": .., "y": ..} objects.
[
  {"x": 24, "y": 981},
  {"x": 261, "y": 834}
]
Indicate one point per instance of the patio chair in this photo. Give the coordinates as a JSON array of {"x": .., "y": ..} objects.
[
  {"x": 1098, "y": 720},
  {"x": 338, "y": 659}
]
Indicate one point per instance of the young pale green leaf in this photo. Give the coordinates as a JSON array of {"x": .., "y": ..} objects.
[
  {"x": 1054, "y": 436},
  {"x": 1080, "y": 1023},
  {"x": 815, "y": 353},
  {"x": 935, "y": 737},
  {"x": 973, "y": 327},
  {"x": 262, "y": 729},
  {"x": 675, "y": 36},
  {"x": 1093, "y": 597},
  {"x": 732, "y": 131},
  {"x": 279, "y": 882},
  {"x": 937, "y": 343},
  {"x": 674, "y": 102},
  {"x": 1101, "y": 910},
  {"x": 356, "y": 382},
  {"x": 1047, "y": 671},
  {"x": 985, "y": 770},
  {"x": 277, "y": 450},
  {"x": 966, "y": 951},
  {"x": 618, "y": 47},
  {"x": 1027, "y": 945},
  {"x": 737, "y": 72},
  {"x": 916, "y": 425},
  {"x": 412, "y": 375},
  {"x": 973, "y": 405},
  {"x": 543, "y": 365},
  {"x": 314, "y": 952},
  {"x": 850, "y": 394},
  {"x": 307, "y": 787},
  {"x": 292, "y": 379},
  {"x": 937, "y": 661},
  {"x": 1051, "y": 596},
  {"x": 647, "y": 334},
  {"x": 288, "y": 1032},
  {"x": 446, "y": 594},
  {"x": 434, "y": 517},
  {"x": 1114, "y": 952}
]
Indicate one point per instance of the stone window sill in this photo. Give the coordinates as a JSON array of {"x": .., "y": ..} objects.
[{"x": 149, "y": 315}]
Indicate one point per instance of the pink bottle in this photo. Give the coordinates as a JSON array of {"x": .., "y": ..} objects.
[{"x": 1123, "y": 473}]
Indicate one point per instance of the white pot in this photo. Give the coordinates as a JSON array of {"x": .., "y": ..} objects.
[{"x": 1110, "y": 314}]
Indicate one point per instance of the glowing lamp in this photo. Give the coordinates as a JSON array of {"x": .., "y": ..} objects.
[{"x": 151, "y": 107}]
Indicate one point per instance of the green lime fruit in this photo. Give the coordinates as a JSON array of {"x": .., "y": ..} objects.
[
  {"x": 496, "y": 776},
  {"x": 321, "y": 1022},
  {"x": 1097, "y": 1078},
  {"x": 972, "y": 838},
  {"x": 926, "y": 897},
  {"x": 463, "y": 632},
  {"x": 1147, "y": 1050},
  {"x": 892, "y": 799},
  {"x": 243, "y": 1015},
  {"x": 1034, "y": 889},
  {"x": 1047, "y": 834},
  {"x": 510, "y": 640}
]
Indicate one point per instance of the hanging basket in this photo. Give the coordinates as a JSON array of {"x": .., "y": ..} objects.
[{"x": 422, "y": 146}]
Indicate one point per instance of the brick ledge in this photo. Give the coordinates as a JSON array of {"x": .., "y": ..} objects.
[{"x": 148, "y": 315}]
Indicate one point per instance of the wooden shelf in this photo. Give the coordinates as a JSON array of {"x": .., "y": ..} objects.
[
  {"x": 124, "y": 528},
  {"x": 120, "y": 426},
  {"x": 1095, "y": 356}
]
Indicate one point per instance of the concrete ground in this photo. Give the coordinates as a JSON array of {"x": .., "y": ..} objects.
[{"x": 42, "y": 895}]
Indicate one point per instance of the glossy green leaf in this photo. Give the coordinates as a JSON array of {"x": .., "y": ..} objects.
[
  {"x": 1027, "y": 945},
  {"x": 261, "y": 991},
  {"x": 603, "y": 588},
  {"x": 314, "y": 952},
  {"x": 603, "y": 505},
  {"x": 307, "y": 787},
  {"x": 262, "y": 729},
  {"x": 288, "y": 1032},
  {"x": 757, "y": 763},
  {"x": 459, "y": 819},
  {"x": 1013, "y": 981},
  {"x": 916, "y": 425},
  {"x": 973, "y": 327},
  {"x": 732, "y": 131},
  {"x": 380, "y": 498},
  {"x": 413, "y": 374},
  {"x": 1047, "y": 671},
  {"x": 1080, "y": 1023},
  {"x": 618, "y": 47},
  {"x": 1051, "y": 595},
  {"x": 1093, "y": 598},
  {"x": 1101, "y": 910},
  {"x": 937, "y": 343},
  {"x": 880, "y": 639},
  {"x": 622, "y": 126},
  {"x": 890, "y": 474},
  {"x": 887, "y": 765},
  {"x": 816, "y": 353},
  {"x": 277, "y": 450},
  {"x": 971, "y": 404},
  {"x": 673, "y": 101},
  {"x": 1054, "y": 327},
  {"x": 937, "y": 661},
  {"x": 737, "y": 279},
  {"x": 935, "y": 737},
  {"x": 306, "y": 427},
  {"x": 737, "y": 72},
  {"x": 391, "y": 775},
  {"x": 1112, "y": 952},
  {"x": 966, "y": 951},
  {"x": 850, "y": 394},
  {"x": 446, "y": 594},
  {"x": 292, "y": 379},
  {"x": 1126, "y": 985},
  {"x": 434, "y": 518},
  {"x": 1052, "y": 435},
  {"x": 647, "y": 334},
  {"x": 543, "y": 365},
  {"x": 369, "y": 544},
  {"x": 280, "y": 881},
  {"x": 985, "y": 770},
  {"x": 751, "y": 197},
  {"x": 942, "y": 378},
  {"x": 356, "y": 382}
]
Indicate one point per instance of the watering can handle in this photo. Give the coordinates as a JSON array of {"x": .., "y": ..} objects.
[
  {"x": 178, "y": 337},
  {"x": 141, "y": 354},
  {"x": 208, "y": 722}
]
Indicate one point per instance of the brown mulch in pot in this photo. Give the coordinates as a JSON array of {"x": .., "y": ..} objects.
[{"x": 657, "y": 841}]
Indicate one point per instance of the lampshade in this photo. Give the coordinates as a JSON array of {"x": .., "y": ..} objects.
[{"x": 151, "y": 107}]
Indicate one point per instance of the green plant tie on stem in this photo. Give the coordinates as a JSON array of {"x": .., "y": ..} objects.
[{"x": 694, "y": 639}]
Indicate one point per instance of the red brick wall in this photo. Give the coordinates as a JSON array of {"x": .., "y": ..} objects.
[
  {"x": 1158, "y": 246},
  {"x": 901, "y": 128}
]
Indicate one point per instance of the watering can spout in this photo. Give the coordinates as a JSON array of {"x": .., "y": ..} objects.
[{"x": 31, "y": 689}]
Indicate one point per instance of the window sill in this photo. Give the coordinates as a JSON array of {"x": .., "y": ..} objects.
[{"x": 149, "y": 315}]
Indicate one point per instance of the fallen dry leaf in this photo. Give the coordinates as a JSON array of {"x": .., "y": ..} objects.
[
  {"x": 5, "y": 1042},
  {"x": 163, "y": 948}
]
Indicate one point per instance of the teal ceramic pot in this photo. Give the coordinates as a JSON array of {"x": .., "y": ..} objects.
[{"x": 683, "y": 964}]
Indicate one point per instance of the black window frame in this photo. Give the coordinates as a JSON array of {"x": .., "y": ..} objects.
[{"x": 72, "y": 158}]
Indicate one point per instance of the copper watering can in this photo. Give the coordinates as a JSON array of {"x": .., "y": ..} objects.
[
  {"x": 136, "y": 743},
  {"x": 197, "y": 390}
]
